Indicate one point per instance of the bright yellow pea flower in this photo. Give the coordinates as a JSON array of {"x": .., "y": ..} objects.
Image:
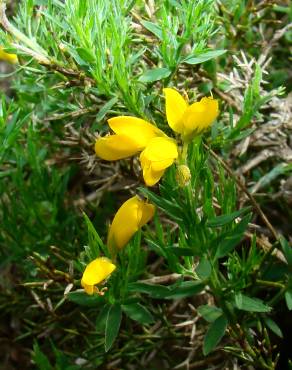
[
  {"x": 11, "y": 58},
  {"x": 96, "y": 271},
  {"x": 132, "y": 136},
  {"x": 159, "y": 154},
  {"x": 130, "y": 217},
  {"x": 188, "y": 119}
]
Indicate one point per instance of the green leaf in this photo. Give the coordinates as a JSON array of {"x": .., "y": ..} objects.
[
  {"x": 101, "y": 318},
  {"x": 169, "y": 207},
  {"x": 83, "y": 299},
  {"x": 204, "y": 57},
  {"x": 214, "y": 334},
  {"x": 204, "y": 269},
  {"x": 175, "y": 291},
  {"x": 270, "y": 176},
  {"x": 226, "y": 219},
  {"x": 113, "y": 322},
  {"x": 246, "y": 303},
  {"x": 153, "y": 290},
  {"x": 95, "y": 243},
  {"x": 288, "y": 299},
  {"x": 256, "y": 82},
  {"x": 155, "y": 74},
  {"x": 86, "y": 55},
  {"x": 273, "y": 326},
  {"x": 233, "y": 238},
  {"x": 180, "y": 251},
  {"x": 210, "y": 313},
  {"x": 153, "y": 28},
  {"x": 138, "y": 313},
  {"x": 287, "y": 250},
  {"x": 62, "y": 361},
  {"x": 40, "y": 358},
  {"x": 160, "y": 250},
  {"x": 186, "y": 289},
  {"x": 103, "y": 111}
]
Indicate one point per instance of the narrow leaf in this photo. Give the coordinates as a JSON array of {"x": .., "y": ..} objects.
[
  {"x": 204, "y": 57},
  {"x": 179, "y": 251},
  {"x": 214, "y": 334},
  {"x": 95, "y": 243},
  {"x": 86, "y": 55},
  {"x": 186, "y": 289},
  {"x": 233, "y": 238},
  {"x": 204, "y": 269},
  {"x": 287, "y": 250},
  {"x": 103, "y": 111},
  {"x": 210, "y": 313},
  {"x": 288, "y": 299},
  {"x": 84, "y": 299},
  {"x": 40, "y": 358},
  {"x": 153, "y": 28},
  {"x": 102, "y": 317},
  {"x": 153, "y": 290},
  {"x": 273, "y": 326},
  {"x": 138, "y": 313},
  {"x": 226, "y": 219},
  {"x": 155, "y": 74},
  {"x": 112, "y": 327},
  {"x": 246, "y": 303}
]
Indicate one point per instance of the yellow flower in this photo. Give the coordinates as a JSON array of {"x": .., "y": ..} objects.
[
  {"x": 130, "y": 217},
  {"x": 188, "y": 119},
  {"x": 159, "y": 154},
  {"x": 96, "y": 271},
  {"x": 133, "y": 135},
  {"x": 11, "y": 58}
]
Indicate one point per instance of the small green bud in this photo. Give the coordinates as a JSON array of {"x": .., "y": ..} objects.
[{"x": 183, "y": 175}]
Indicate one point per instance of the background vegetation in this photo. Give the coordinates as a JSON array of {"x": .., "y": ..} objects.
[{"x": 82, "y": 62}]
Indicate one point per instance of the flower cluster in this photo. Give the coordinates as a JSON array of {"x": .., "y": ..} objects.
[
  {"x": 130, "y": 217},
  {"x": 157, "y": 151}
]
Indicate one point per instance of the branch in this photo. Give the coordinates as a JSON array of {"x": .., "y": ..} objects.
[
  {"x": 32, "y": 48},
  {"x": 244, "y": 189}
]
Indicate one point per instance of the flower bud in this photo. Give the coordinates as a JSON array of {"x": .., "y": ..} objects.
[
  {"x": 183, "y": 175},
  {"x": 130, "y": 217}
]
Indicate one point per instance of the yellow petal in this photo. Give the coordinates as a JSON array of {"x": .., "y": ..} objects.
[
  {"x": 97, "y": 271},
  {"x": 162, "y": 165},
  {"x": 199, "y": 116},
  {"x": 132, "y": 215},
  {"x": 150, "y": 176},
  {"x": 11, "y": 58},
  {"x": 159, "y": 154},
  {"x": 114, "y": 147},
  {"x": 145, "y": 213},
  {"x": 160, "y": 149},
  {"x": 175, "y": 108},
  {"x": 89, "y": 289},
  {"x": 137, "y": 129}
]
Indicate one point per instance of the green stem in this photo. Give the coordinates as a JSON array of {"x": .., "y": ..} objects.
[
  {"x": 272, "y": 284},
  {"x": 184, "y": 154},
  {"x": 277, "y": 297}
]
